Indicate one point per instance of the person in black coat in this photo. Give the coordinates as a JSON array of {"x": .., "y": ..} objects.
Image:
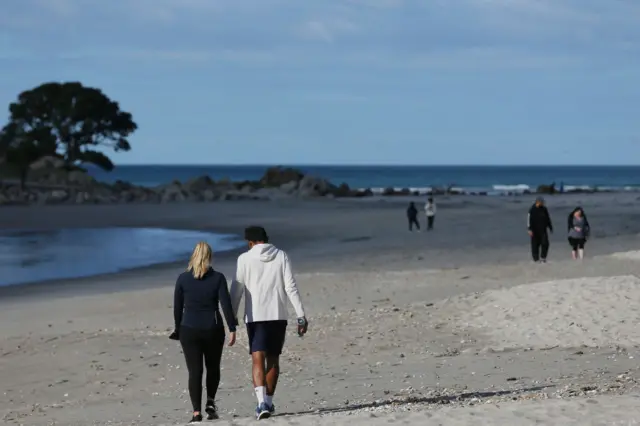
[
  {"x": 538, "y": 223},
  {"x": 412, "y": 215}
]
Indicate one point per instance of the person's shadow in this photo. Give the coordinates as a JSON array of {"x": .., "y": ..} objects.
[{"x": 434, "y": 400}]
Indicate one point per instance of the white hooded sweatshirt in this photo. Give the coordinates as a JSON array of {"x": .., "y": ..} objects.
[
  {"x": 265, "y": 278},
  {"x": 430, "y": 209}
]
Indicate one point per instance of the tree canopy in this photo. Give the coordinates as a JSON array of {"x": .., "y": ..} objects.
[{"x": 65, "y": 119}]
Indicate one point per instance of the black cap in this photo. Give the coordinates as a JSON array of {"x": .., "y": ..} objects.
[{"x": 256, "y": 233}]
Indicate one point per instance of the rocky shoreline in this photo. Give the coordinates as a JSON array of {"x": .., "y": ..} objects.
[{"x": 49, "y": 183}]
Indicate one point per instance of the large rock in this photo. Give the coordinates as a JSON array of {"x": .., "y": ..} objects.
[
  {"x": 277, "y": 176},
  {"x": 547, "y": 189},
  {"x": 83, "y": 198},
  {"x": 128, "y": 197},
  {"x": 59, "y": 176},
  {"x": 199, "y": 184},
  {"x": 173, "y": 193},
  {"x": 389, "y": 191},
  {"x": 209, "y": 195},
  {"x": 246, "y": 185},
  {"x": 47, "y": 163},
  {"x": 289, "y": 187},
  {"x": 12, "y": 195},
  {"x": 342, "y": 191},
  {"x": 80, "y": 178},
  {"x": 236, "y": 195},
  {"x": 226, "y": 184},
  {"x": 56, "y": 196},
  {"x": 311, "y": 186},
  {"x": 247, "y": 189},
  {"x": 363, "y": 193},
  {"x": 121, "y": 186}
]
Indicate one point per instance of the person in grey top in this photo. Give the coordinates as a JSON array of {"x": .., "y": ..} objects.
[{"x": 579, "y": 229}]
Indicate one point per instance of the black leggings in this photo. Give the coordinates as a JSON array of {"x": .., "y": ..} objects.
[
  {"x": 413, "y": 221},
  {"x": 577, "y": 243},
  {"x": 199, "y": 345}
]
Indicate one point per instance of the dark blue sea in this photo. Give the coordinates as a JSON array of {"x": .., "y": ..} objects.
[{"x": 469, "y": 178}]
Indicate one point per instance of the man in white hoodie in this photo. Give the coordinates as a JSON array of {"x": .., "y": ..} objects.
[{"x": 264, "y": 276}]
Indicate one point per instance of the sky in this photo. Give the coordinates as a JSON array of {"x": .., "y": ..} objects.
[{"x": 345, "y": 81}]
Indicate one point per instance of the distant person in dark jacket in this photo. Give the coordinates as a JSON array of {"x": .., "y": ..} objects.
[
  {"x": 538, "y": 222},
  {"x": 412, "y": 215},
  {"x": 579, "y": 230},
  {"x": 199, "y": 326}
]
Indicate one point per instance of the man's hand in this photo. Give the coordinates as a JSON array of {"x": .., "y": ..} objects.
[
  {"x": 232, "y": 338},
  {"x": 303, "y": 325},
  {"x": 530, "y": 233},
  {"x": 175, "y": 335}
]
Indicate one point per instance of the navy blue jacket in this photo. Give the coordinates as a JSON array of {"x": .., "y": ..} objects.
[{"x": 195, "y": 302}]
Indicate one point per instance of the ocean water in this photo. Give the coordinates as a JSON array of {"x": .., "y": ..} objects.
[
  {"x": 30, "y": 256},
  {"x": 493, "y": 179}
]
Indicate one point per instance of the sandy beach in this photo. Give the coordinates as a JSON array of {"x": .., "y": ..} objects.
[{"x": 453, "y": 327}]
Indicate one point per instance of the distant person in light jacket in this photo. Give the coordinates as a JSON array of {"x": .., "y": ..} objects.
[
  {"x": 430, "y": 211},
  {"x": 265, "y": 278}
]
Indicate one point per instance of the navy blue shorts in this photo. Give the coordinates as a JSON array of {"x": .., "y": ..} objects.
[{"x": 267, "y": 336}]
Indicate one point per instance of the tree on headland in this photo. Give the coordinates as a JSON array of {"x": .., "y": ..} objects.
[{"x": 76, "y": 119}]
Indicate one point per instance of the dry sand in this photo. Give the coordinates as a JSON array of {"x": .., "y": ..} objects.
[
  {"x": 453, "y": 327},
  {"x": 630, "y": 255},
  {"x": 582, "y": 312}
]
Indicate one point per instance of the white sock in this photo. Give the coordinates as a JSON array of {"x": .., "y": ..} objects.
[
  {"x": 580, "y": 253},
  {"x": 261, "y": 393},
  {"x": 268, "y": 399}
]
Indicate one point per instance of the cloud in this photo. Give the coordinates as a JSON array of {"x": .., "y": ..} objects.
[
  {"x": 60, "y": 8},
  {"x": 328, "y": 97},
  {"x": 462, "y": 59},
  {"x": 378, "y": 4},
  {"x": 327, "y": 30},
  {"x": 363, "y": 33}
]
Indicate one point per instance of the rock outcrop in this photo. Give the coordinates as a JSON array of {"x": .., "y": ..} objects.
[
  {"x": 547, "y": 189},
  {"x": 50, "y": 183}
]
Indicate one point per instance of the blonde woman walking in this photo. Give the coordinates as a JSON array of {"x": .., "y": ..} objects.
[{"x": 199, "y": 326}]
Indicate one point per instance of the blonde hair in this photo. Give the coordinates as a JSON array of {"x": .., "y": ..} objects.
[{"x": 200, "y": 261}]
